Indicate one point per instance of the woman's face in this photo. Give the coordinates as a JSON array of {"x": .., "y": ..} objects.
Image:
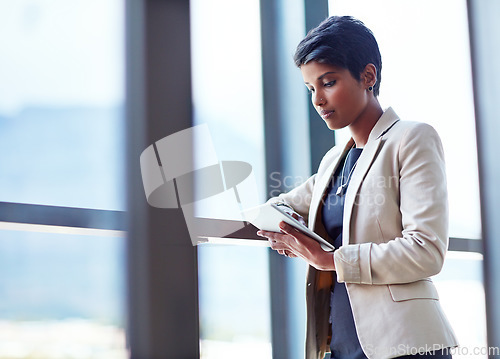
[{"x": 338, "y": 97}]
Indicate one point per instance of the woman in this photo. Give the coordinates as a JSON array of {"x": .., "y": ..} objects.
[{"x": 381, "y": 200}]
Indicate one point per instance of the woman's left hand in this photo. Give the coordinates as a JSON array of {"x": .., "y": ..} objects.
[{"x": 294, "y": 243}]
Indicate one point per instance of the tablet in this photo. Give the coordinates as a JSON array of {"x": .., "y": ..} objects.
[{"x": 268, "y": 216}]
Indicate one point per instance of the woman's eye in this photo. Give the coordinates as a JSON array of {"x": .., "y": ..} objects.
[
  {"x": 330, "y": 84},
  {"x": 310, "y": 90}
]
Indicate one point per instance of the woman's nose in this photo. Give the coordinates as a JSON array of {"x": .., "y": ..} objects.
[{"x": 318, "y": 99}]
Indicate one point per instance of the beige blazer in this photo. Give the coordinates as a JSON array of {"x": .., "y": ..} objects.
[{"x": 395, "y": 236}]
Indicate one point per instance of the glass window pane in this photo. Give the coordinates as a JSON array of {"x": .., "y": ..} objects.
[
  {"x": 62, "y": 296},
  {"x": 61, "y": 124},
  {"x": 234, "y": 302},
  {"x": 61, "y": 99},
  {"x": 426, "y": 76},
  {"x": 461, "y": 291},
  {"x": 227, "y": 96}
]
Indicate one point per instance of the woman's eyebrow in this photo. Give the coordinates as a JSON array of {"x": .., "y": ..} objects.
[
  {"x": 319, "y": 78},
  {"x": 326, "y": 73}
]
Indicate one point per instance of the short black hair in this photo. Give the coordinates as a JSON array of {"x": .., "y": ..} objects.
[{"x": 341, "y": 41}]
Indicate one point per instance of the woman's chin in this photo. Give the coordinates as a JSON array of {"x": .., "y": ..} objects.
[{"x": 334, "y": 126}]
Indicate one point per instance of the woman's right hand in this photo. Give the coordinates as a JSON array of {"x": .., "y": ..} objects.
[{"x": 294, "y": 243}]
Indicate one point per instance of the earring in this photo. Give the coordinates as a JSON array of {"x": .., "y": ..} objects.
[{"x": 370, "y": 88}]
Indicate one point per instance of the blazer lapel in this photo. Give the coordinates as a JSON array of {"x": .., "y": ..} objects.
[
  {"x": 364, "y": 163},
  {"x": 370, "y": 151},
  {"x": 322, "y": 184}
]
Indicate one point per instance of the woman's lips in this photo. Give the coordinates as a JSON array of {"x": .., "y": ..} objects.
[{"x": 325, "y": 114}]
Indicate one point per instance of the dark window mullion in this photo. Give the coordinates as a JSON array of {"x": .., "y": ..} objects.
[{"x": 62, "y": 216}]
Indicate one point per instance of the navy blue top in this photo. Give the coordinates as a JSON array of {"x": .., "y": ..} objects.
[{"x": 345, "y": 343}]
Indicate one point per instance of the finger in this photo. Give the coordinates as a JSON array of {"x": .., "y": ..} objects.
[
  {"x": 278, "y": 246},
  {"x": 290, "y": 254},
  {"x": 269, "y": 234},
  {"x": 288, "y": 229},
  {"x": 274, "y": 244},
  {"x": 266, "y": 234},
  {"x": 299, "y": 218},
  {"x": 297, "y": 238}
]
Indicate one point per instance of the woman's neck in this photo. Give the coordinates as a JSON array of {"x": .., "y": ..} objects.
[{"x": 360, "y": 129}]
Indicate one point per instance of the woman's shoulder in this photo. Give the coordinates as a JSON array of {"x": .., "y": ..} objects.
[
  {"x": 411, "y": 131},
  {"x": 415, "y": 126},
  {"x": 397, "y": 128},
  {"x": 411, "y": 137}
]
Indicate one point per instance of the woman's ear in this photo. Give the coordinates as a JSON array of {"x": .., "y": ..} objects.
[{"x": 369, "y": 75}]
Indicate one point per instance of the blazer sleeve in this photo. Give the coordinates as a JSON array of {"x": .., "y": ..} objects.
[{"x": 420, "y": 250}]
